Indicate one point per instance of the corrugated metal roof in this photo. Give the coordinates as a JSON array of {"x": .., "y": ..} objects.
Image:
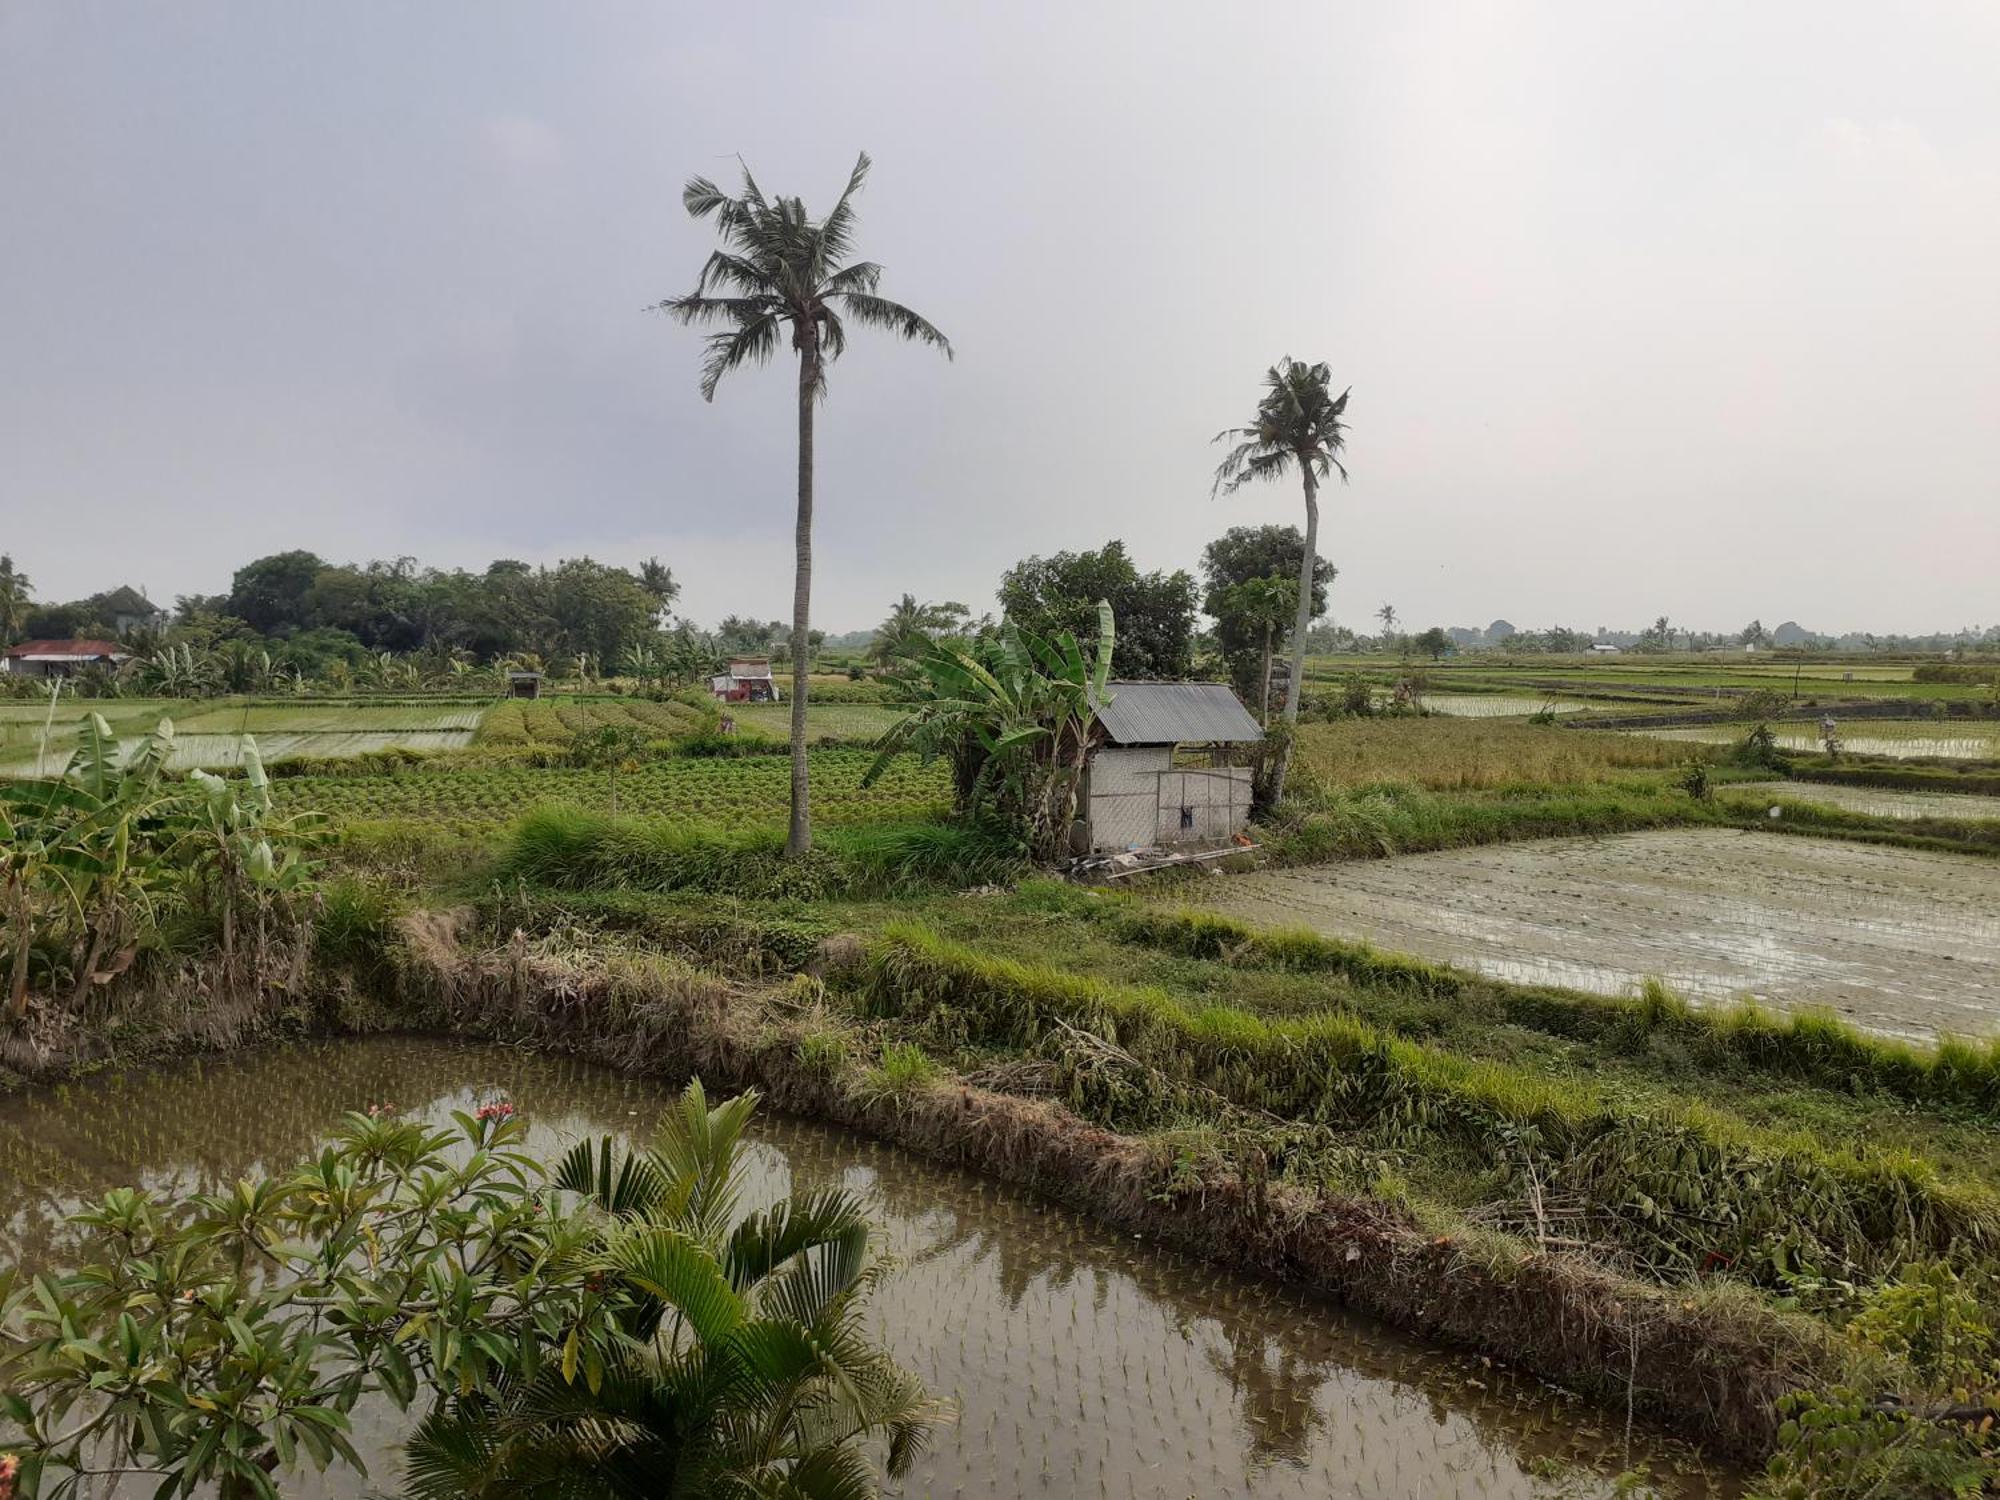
[
  {"x": 64, "y": 650},
  {"x": 1167, "y": 713}
]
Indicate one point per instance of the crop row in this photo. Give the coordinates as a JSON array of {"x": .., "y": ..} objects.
[
  {"x": 751, "y": 789},
  {"x": 553, "y": 722}
]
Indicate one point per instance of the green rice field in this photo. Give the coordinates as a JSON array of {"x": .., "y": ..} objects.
[
  {"x": 210, "y": 735},
  {"x": 830, "y": 721},
  {"x": 753, "y": 789}
]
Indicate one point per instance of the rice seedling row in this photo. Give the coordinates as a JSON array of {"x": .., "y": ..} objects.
[
  {"x": 1898, "y": 738},
  {"x": 751, "y": 789}
]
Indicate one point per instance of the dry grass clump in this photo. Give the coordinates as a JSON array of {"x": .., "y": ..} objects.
[{"x": 1446, "y": 754}]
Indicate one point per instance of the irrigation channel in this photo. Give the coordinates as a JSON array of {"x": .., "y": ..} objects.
[
  {"x": 1901, "y": 941},
  {"x": 1083, "y": 1363}
]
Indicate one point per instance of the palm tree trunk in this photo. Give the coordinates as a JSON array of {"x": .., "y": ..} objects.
[
  {"x": 1264, "y": 707},
  {"x": 1295, "y": 689},
  {"x": 799, "y": 839}
]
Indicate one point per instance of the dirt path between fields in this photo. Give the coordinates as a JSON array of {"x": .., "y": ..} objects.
[{"x": 1896, "y": 940}]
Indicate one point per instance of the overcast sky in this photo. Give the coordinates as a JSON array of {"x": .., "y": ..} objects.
[{"x": 1673, "y": 308}]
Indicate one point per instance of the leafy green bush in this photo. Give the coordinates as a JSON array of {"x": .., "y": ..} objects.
[
  {"x": 354, "y": 925},
  {"x": 1927, "y": 1424},
  {"x": 521, "y": 1304}
]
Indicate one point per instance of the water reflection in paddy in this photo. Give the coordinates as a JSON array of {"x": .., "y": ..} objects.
[{"x": 1084, "y": 1363}]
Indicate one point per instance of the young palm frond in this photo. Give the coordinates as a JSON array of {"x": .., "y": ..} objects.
[{"x": 738, "y": 1363}]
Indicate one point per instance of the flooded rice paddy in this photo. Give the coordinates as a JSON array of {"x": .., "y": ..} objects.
[
  {"x": 210, "y": 736},
  {"x": 1880, "y": 802},
  {"x": 210, "y": 752},
  {"x": 1897, "y": 940},
  {"x": 1497, "y": 705},
  {"x": 1902, "y": 738},
  {"x": 1083, "y": 1363}
]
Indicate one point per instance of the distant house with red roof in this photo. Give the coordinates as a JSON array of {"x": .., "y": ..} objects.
[{"x": 60, "y": 658}]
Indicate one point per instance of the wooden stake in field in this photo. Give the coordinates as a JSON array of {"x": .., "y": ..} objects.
[{"x": 782, "y": 272}]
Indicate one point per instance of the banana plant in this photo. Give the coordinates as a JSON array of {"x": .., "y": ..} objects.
[
  {"x": 242, "y": 854},
  {"x": 81, "y": 856},
  {"x": 181, "y": 672},
  {"x": 1014, "y": 714}
]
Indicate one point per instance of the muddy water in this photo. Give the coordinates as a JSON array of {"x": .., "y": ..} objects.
[
  {"x": 1892, "y": 737},
  {"x": 1084, "y": 1364},
  {"x": 1897, "y": 940},
  {"x": 1878, "y": 801},
  {"x": 1497, "y": 705}
]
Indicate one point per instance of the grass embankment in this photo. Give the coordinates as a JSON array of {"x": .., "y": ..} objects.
[
  {"x": 1365, "y": 789},
  {"x": 1782, "y": 1084},
  {"x": 1806, "y": 816},
  {"x": 1940, "y": 776},
  {"x": 1818, "y": 680},
  {"x": 568, "y": 847},
  {"x": 1708, "y": 1361},
  {"x": 1678, "y": 1191},
  {"x": 1653, "y": 1041}
]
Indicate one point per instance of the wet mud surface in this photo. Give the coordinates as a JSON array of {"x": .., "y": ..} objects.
[{"x": 1897, "y": 940}]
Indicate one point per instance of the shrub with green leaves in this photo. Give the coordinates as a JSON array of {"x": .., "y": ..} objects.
[{"x": 609, "y": 1326}]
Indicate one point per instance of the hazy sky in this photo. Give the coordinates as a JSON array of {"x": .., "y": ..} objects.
[{"x": 1681, "y": 308}]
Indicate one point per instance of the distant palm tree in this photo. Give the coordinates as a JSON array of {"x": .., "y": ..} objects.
[
  {"x": 16, "y": 595},
  {"x": 657, "y": 579},
  {"x": 1387, "y": 615},
  {"x": 910, "y": 623},
  {"x": 1261, "y": 604},
  {"x": 783, "y": 273},
  {"x": 1298, "y": 424}
]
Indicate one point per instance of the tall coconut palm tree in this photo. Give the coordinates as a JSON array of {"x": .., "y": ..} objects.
[
  {"x": 16, "y": 599},
  {"x": 783, "y": 272},
  {"x": 1298, "y": 425}
]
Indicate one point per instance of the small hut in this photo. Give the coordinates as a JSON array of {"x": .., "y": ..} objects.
[
  {"x": 61, "y": 658},
  {"x": 524, "y": 684},
  {"x": 748, "y": 680},
  {"x": 1136, "y": 796}
]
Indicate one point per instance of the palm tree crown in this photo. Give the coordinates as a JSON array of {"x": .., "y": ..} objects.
[
  {"x": 1298, "y": 423},
  {"x": 780, "y": 271}
]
